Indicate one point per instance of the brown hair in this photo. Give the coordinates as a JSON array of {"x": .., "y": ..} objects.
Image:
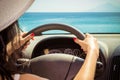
[{"x": 7, "y": 68}]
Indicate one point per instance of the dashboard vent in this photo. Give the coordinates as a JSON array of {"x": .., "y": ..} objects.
[{"x": 115, "y": 68}]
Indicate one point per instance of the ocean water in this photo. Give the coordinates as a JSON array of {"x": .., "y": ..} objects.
[{"x": 87, "y": 22}]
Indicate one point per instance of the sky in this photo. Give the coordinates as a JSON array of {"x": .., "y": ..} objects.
[{"x": 75, "y": 6}]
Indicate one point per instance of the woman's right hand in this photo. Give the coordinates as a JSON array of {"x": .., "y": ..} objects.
[{"x": 88, "y": 44}]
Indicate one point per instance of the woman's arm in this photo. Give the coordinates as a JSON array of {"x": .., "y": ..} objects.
[
  {"x": 91, "y": 48},
  {"x": 31, "y": 77}
]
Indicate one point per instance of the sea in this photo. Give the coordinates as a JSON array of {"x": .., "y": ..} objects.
[{"x": 86, "y": 22}]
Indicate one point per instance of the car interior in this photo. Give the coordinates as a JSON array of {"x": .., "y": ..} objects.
[
  {"x": 62, "y": 44},
  {"x": 59, "y": 58}
]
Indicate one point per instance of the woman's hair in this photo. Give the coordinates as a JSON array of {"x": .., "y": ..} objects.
[{"x": 8, "y": 67}]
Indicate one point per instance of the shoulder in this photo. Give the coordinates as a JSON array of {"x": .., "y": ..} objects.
[{"x": 31, "y": 77}]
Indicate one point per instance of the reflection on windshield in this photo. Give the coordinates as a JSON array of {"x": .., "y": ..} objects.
[{"x": 91, "y": 22}]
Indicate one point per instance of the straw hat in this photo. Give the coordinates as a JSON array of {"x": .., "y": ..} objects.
[{"x": 11, "y": 10}]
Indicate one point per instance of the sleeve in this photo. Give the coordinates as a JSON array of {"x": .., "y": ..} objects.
[{"x": 17, "y": 77}]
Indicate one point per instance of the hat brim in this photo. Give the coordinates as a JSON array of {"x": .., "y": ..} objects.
[{"x": 11, "y": 10}]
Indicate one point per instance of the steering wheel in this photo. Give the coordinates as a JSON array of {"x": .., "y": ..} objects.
[
  {"x": 38, "y": 30},
  {"x": 57, "y": 66}
]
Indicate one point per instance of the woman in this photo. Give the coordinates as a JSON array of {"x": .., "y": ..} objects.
[
  {"x": 10, "y": 50},
  {"x": 11, "y": 44}
]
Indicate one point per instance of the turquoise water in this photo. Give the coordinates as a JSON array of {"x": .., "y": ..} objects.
[{"x": 97, "y": 22}]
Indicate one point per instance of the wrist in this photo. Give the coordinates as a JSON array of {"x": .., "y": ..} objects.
[{"x": 93, "y": 52}]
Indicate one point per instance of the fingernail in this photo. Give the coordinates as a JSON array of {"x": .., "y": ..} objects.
[
  {"x": 74, "y": 39},
  {"x": 32, "y": 34}
]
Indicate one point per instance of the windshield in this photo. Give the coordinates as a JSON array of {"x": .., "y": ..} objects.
[{"x": 92, "y": 21}]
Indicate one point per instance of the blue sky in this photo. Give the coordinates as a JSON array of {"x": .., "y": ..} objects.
[{"x": 75, "y": 6}]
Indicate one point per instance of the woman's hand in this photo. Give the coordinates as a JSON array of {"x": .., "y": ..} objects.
[
  {"x": 19, "y": 41},
  {"x": 91, "y": 48},
  {"x": 28, "y": 42},
  {"x": 88, "y": 44}
]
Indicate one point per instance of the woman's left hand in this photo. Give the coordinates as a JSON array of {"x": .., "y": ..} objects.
[
  {"x": 27, "y": 38},
  {"x": 18, "y": 42}
]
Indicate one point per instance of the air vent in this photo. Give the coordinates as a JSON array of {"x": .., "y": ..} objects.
[{"x": 115, "y": 68}]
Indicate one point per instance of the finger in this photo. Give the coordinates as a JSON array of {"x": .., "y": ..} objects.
[
  {"x": 27, "y": 38},
  {"x": 24, "y": 48},
  {"x": 88, "y": 35},
  {"x": 80, "y": 42},
  {"x": 28, "y": 43},
  {"x": 23, "y": 34}
]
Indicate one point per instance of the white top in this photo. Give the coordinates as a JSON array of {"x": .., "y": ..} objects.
[{"x": 17, "y": 77}]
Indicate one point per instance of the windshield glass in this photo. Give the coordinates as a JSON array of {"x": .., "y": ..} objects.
[{"x": 105, "y": 19}]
